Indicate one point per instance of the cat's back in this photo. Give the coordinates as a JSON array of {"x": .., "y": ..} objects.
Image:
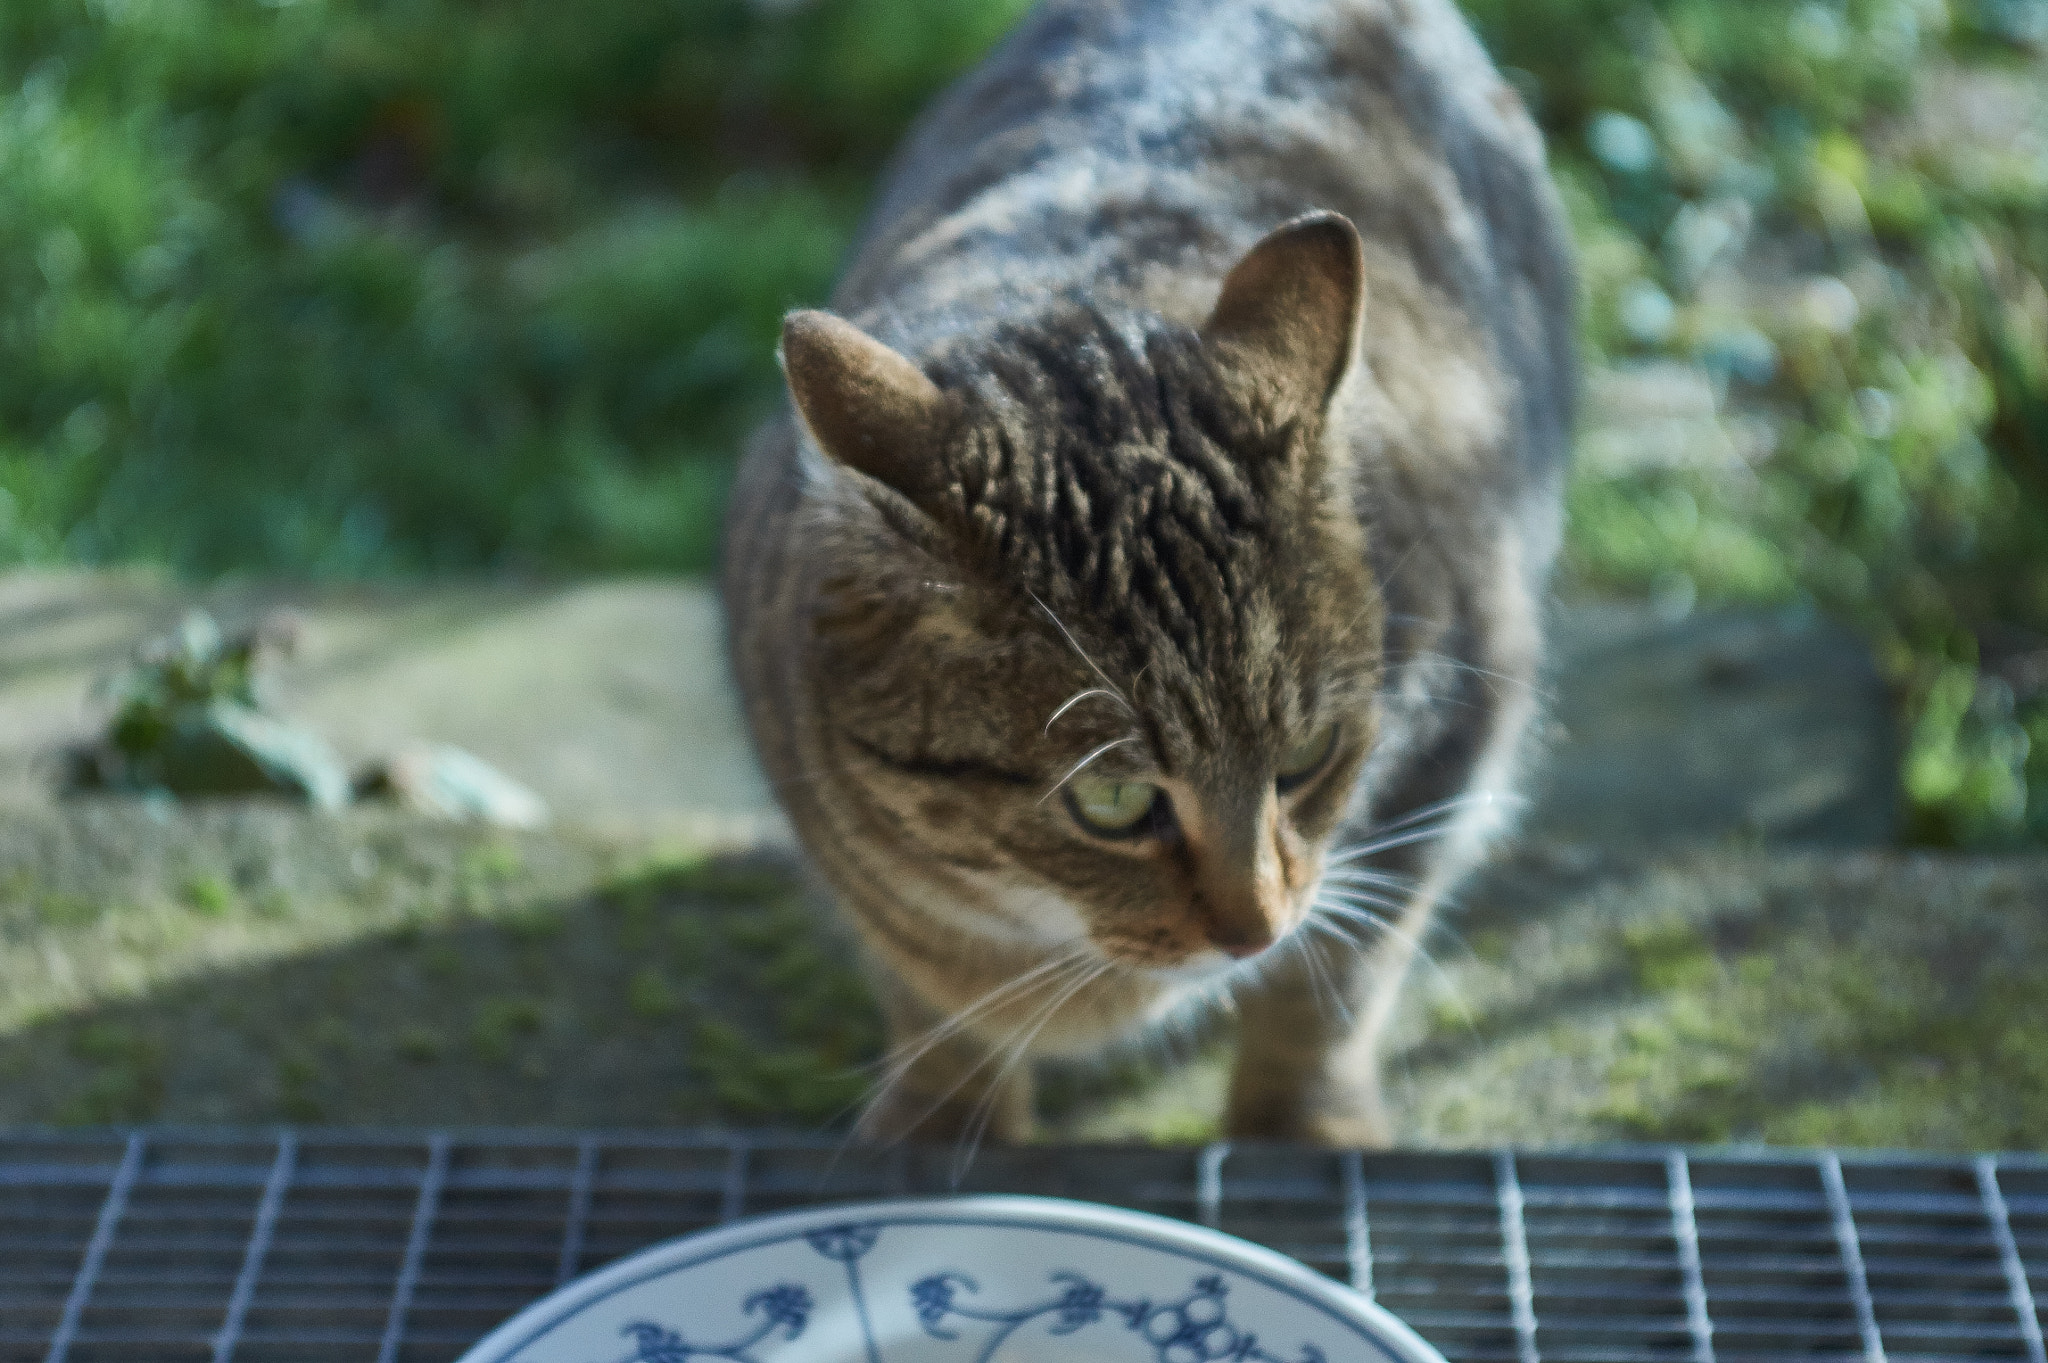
[
  {"x": 1128, "y": 150},
  {"x": 1087, "y": 94},
  {"x": 1123, "y": 153}
]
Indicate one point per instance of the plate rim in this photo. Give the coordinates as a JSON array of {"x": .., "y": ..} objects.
[{"x": 1344, "y": 1304}]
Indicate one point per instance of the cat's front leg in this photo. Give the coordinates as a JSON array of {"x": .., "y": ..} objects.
[
  {"x": 1307, "y": 1064},
  {"x": 943, "y": 1084},
  {"x": 1309, "y": 1036}
]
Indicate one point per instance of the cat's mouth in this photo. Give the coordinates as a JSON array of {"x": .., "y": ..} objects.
[
  {"x": 1202, "y": 968},
  {"x": 1212, "y": 964}
]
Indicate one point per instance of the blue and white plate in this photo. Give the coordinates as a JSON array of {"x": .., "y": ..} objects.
[{"x": 963, "y": 1280}]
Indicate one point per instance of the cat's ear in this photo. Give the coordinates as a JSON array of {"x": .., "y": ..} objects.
[
  {"x": 1288, "y": 316},
  {"x": 865, "y": 405}
]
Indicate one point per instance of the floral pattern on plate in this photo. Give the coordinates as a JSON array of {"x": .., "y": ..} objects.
[{"x": 970, "y": 1280}]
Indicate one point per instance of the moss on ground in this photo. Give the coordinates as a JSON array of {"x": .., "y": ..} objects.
[
  {"x": 251, "y": 964},
  {"x": 1861, "y": 1000},
  {"x": 258, "y": 964}
]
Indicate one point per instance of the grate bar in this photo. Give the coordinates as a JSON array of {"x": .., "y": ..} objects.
[
  {"x": 1209, "y": 1183},
  {"x": 1357, "y": 1230},
  {"x": 1852, "y": 1256},
  {"x": 1685, "y": 1231},
  {"x": 575, "y": 1224},
  {"x": 1514, "y": 1239},
  {"x": 96, "y": 1249},
  {"x": 1393, "y": 1189},
  {"x": 2000, "y": 1217},
  {"x": 1623, "y": 1255},
  {"x": 415, "y": 1247},
  {"x": 732, "y": 1197},
  {"x": 259, "y": 1246}
]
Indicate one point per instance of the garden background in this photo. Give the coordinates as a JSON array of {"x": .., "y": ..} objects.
[{"x": 421, "y": 292}]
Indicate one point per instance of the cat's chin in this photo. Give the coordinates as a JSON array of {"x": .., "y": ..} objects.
[
  {"x": 1207, "y": 968},
  {"x": 1198, "y": 985},
  {"x": 1213, "y": 972}
]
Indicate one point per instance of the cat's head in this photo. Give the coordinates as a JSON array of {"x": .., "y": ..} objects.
[{"x": 1094, "y": 641}]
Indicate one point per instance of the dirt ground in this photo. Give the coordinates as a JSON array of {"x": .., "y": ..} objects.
[{"x": 1702, "y": 936}]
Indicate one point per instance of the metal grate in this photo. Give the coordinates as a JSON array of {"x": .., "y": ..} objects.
[{"x": 320, "y": 1246}]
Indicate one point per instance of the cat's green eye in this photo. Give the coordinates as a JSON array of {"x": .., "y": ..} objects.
[
  {"x": 1112, "y": 807},
  {"x": 1305, "y": 757}
]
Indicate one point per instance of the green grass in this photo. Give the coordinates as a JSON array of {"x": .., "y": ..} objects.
[
  {"x": 254, "y": 964},
  {"x": 342, "y": 288},
  {"x": 1901, "y": 483},
  {"x": 354, "y": 288},
  {"x": 1861, "y": 1000},
  {"x": 369, "y": 969},
  {"x": 1901, "y": 487}
]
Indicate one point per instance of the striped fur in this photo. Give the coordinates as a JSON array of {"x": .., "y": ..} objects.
[{"x": 1104, "y": 540}]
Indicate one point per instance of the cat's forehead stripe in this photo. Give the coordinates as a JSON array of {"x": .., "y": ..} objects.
[{"x": 1109, "y": 479}]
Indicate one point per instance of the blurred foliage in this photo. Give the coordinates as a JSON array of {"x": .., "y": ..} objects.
[
  {"x": 347, "y": 287},
  {"x": 1816, "y": 205},
  {"x": 191, "y": 717}
]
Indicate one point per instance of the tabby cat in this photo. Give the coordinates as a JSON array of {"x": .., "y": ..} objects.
[{"x": 1138, "y": 606}]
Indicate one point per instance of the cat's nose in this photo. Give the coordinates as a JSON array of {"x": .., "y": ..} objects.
[{"x": 1239, "y": 897}]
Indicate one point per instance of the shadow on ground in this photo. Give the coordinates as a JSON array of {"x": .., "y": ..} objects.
[
  {"x": 665, "y": 988},
  {"x": 248, "y": 964},
  {"x": 1725, "y": 994}
]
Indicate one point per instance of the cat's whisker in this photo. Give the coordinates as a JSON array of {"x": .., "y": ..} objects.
[
  {"x": 1082, "y": 765},
  {"x": 899, "y": 1062},
  {"x": 1317, "y": 985},
  {"x": 1393, "y": 574},
  {"x": 1460, "y": 665},
  {"x": 910, "y": 1051},
  {"x": 1320, "y": 983},
  {"x": 1013, "y": 1049},
  {"x": 1074, "y": 700},
  {"x": 1436, "y": 921},
  {"x": 1399, "y": 880},
  {"x": 1363, "y": 894},
  {"x": 1292, "y": 942},
  {"x": 904, "y": 1057},
  {"x": 1070, "y": 967},
  {"x": 1082, "y": 653},
  {"x": 1020, "y": 1046},
  {"x": 1387, "y": 844},
  {"x": 1351, "y": 876},
  {"x": 1433, "y": 815},
  {"x": 1436, "y": 807},
  {"x": 985, "y": 1106},
  {"x": 1365, "y": 902},
  {"x": 1357, "y": 913},
  {"x": 1312, "y": 951},
  {"x": 1359, "y": 895}
]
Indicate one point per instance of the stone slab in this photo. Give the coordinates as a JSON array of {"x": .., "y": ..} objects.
[
  {"x": 1766, "y": 726},
  {"x": 612, "y": 700}
]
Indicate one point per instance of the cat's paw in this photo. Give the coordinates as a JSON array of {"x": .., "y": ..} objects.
[
  {"x": 1350, "y": 1131},
  {"x": 1357, "y": 1122}
]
